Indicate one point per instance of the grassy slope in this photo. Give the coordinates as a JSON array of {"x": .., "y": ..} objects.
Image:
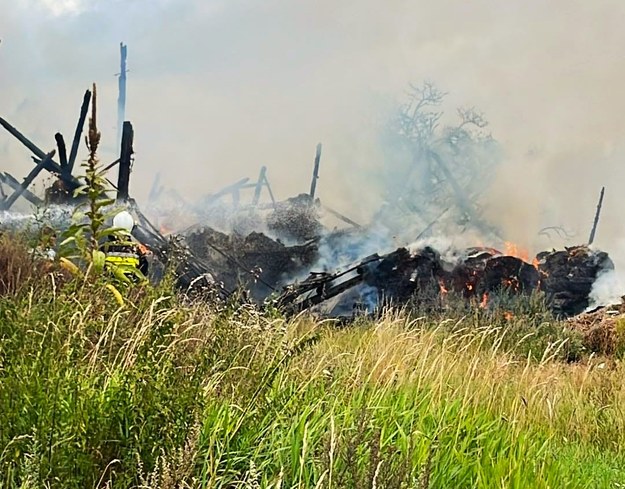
[{"x": 160, "y": 394}]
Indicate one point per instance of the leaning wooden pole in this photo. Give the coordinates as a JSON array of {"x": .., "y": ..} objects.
[
  {"x": 28, "y": 180},
  {"x": 78, "y": 133},
  {"x": 121, "y": 99},
  {"x": 125, "y": 162},
  {"x": 259, "y": 185},
  {"x": 313, "y": 184},
  {"x": 593, "y": 231}
]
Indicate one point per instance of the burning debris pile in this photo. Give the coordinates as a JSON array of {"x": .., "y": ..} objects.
[
  {"x": 267, "y": 248},
  {"x": 566, "y": 277}
]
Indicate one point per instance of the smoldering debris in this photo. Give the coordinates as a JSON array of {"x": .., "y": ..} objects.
[
  {"x": 422, "y": 275},
  {"x": 287, "y": 254}
]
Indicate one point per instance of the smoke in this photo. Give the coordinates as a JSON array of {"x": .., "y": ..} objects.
[{"x": 218, "y": 88}]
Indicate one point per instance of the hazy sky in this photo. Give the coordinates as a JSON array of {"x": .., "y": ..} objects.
[{"x": 219, "y": 88}]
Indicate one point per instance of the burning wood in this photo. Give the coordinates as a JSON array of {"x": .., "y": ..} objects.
[{"x": 566, "y": 277}]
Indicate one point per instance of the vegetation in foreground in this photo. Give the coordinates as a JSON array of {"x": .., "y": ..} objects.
[{"x": 151, "y": 391}]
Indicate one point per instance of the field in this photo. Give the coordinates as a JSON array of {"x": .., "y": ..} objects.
[{"x": 151, "y": 391}]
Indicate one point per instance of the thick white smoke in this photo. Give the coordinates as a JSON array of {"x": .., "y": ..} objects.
[{"x": 218, "y": 88}]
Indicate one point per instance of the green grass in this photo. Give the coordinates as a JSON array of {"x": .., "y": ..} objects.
[{"x": 159, "y": 393}]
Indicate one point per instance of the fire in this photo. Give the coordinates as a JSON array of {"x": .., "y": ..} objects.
[
  {"x": 512, "y": 249},
  {"x": 508, "y": 316},
  {"x": 484, "y": 301},
  {"x": 442, "y": 287}
]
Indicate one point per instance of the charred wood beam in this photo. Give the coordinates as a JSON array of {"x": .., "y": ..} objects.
[
  {"x": 125, "y": 162},
  {"x": 12, "y": 182},
  {"x": 597, "y": 215},
  {"x": 50, "y": 164},
  {"x": 325, "y": 286},
  {"x": 273, "y": 200},
  {"x": 28, "y": 180},
  {"x": 78, "y": 133},
  {"x": 60, "y": 144},
  {"x": 259, "y": 185},
  {"x": 111, "y": 165},
  {"x": 342, "y": 217},
  {"x": 313, "y": 184},
  {"x": 230, "y": 189},
  {"x": 329, "y": 292}
]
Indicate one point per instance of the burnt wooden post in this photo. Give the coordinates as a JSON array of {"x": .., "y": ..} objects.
[
  {"x": 78, "y": 133},
  {"x": 597, "y": 215},
  {"x": 60, "y": 144},
  {"x": 125, "y": 162},
  {"x": 259, "y": 185},
  {"x": 313, "y": 184},
  {"x": 28, "y": 180},
  {"x": 121, "y": 99}
]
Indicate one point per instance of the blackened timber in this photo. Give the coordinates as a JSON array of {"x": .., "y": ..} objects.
[
  {"x": 60, "y": 144},
  {"x": 23, "y": 139},
  {"x": 12, "y": 182},
  {"x": 313, "y": 184},
  {"x": 27, "y": 181},
  {"x": 597, "y": 215},
  {"x": 230, "y": 189},
  {"x": 125, "y": 162},
  {"x": 342, "y": 217},
  {"x": 49, "y": 165},
  {"x": 111, "y": 165},
  {"x": 273, "y": 200},
  {"x": 259, "y": 185},
  {"x": 78, "y": 133}
]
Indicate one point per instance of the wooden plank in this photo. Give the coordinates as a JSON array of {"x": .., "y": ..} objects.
[{"x": 125, "y": 162}]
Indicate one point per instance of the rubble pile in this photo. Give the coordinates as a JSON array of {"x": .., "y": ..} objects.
[{"x": 254, "y": 261}]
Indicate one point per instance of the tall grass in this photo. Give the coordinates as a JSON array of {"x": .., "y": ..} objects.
[{"x": 161, "y": 393}]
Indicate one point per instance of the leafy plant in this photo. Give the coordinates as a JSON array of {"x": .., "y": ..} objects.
[{"x": 81, "y": 241}]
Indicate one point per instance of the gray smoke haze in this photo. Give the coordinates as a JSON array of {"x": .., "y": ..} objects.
[{"x": 218, "y": 88}]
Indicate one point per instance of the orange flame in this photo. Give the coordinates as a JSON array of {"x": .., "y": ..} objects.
[
  {"x": 441, "y": 285},
  {"x": 512, "y": 249},
  {"x": 484, "y": 301},
  {"x": 508, "y": 315}
]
